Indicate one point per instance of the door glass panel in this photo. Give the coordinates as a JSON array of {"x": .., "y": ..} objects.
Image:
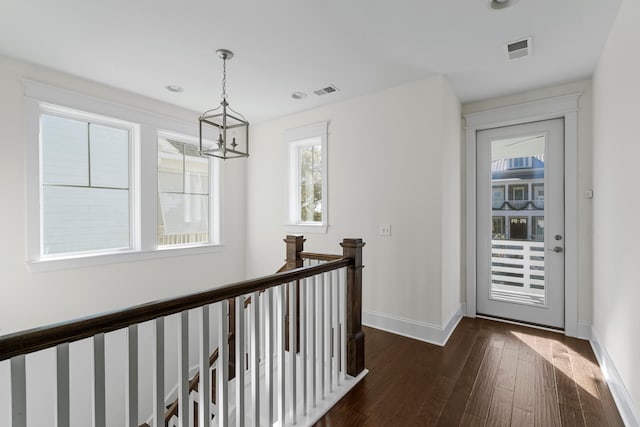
[{"x": 517, "y": 232}]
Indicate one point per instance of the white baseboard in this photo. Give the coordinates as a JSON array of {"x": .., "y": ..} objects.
[
  {"x": 616, "y": 385},
  {"x": 422, "y": 331}
]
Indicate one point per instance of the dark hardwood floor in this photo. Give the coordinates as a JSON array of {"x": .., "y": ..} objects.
[{"x": 489, "y": 374}]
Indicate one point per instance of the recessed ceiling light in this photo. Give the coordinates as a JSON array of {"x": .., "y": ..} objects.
[
  {"x": 174, "y": 88},
  {"x": 501, "y": 4},
  {"x": 298, "y": 95}
]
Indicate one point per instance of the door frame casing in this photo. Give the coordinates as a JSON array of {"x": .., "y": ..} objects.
[{"x": 561, "y": 107}]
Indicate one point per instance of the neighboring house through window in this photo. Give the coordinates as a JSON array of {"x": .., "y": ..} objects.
[{"x": 183, "y": 194}]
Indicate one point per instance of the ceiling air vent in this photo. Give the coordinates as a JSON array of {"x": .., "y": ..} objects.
[
  {"x": 326, "y": 90},
  {"x": 519, "y": 49}
]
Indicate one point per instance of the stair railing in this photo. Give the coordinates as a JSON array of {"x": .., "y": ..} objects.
[{"x": 329, "y": 345}]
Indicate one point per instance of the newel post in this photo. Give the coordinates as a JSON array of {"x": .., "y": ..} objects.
[
  {"x": 352, "y": 248},
  {"x": 295, "y": 245}
]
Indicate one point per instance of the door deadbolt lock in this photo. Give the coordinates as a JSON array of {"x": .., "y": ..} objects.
[
  {"x": 556, "y": 249},
  {"x": 557, "y": 237}
]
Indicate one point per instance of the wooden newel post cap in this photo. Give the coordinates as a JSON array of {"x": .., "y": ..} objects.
[
  {"x": 291, "y": 238},
  {"x": 352, "y": 248},
  {"x": 352, "y": 243}
]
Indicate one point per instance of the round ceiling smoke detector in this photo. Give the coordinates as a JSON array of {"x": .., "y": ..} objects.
[
  {"x": 298, "y": 95},
  {"x": 501, "y": 4}
]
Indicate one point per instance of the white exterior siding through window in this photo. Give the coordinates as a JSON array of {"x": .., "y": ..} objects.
[{"x": 86, "y": 198}]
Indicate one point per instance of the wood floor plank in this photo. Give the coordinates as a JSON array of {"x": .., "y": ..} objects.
[
  {"x": 454, "y": 409},
  {"x": 435, "y": 403},
  {"x": 590, "y": 401},
  {"x": 522, "y": 418},
  {"x": 507, "y": 372},
  {"x": 568, "y": 399},
  {"x": 523, "y": 398},
  {"x": 541, "y": 378},
  {"x": 501, "y": 408},
  {"x": 547, "y": 411},
  {"x": 469, "y": 420},
  {"x": 485, "y": 384}
]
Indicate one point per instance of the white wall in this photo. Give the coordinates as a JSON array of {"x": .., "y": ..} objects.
[
  {"x": 393, "y": 159},
  {"x": 585, "y": 179},
  {"x": 452, "y": 213},
  {"x": 616, "y": 92},
  {"x": 32, "y": 299}
]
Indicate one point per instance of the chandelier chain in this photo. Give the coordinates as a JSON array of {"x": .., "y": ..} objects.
[{"x": 224, "y": 79}]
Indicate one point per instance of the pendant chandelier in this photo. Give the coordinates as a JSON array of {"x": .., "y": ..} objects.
[{"x": 228, "y": 128}]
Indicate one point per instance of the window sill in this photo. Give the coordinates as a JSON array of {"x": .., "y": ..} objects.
[
  {"x": 306, "y": 228},
  {"x": 53, "y": 264}
]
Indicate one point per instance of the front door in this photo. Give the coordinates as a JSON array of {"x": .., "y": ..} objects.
[{"x": 520, "y": 214}]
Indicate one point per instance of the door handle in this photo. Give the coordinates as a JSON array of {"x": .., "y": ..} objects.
[{"x": 556, "y": 249}]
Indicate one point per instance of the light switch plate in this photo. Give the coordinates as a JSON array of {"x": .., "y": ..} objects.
[{"x": 385, "y": 230}]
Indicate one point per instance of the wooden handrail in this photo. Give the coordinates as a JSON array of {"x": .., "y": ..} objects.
[
  {"x": 319, "y": 257},
  {"x": 49, "y": 336}
]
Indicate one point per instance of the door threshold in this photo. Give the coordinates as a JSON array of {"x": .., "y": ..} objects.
[{"x": 521, "y": 323}]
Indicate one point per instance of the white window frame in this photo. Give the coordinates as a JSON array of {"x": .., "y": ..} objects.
[
  {"x": 295, "y": 139},
  {"x": 133, "y": 131},
  {"x": 214, "y": 191},
  {"x": 40, "y": 97}
]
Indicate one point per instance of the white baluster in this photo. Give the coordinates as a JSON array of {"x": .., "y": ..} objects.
[
  {"x": 18, "y": 392},
  {"x": 303, "y": 342},
  {"x": 281, "y": 353},
  {"x": 321, "y": 333},
  {"x": 222, "y": 400},
  {"x": 99, "y": 410},
  {"x": 330, "y": 310},
  {"x": 269, "y": 326},
  {"x": 335, "y": 327},
  {"x": 204, "y": 388},
  {"x": 239, "y": 362},
  {"x": 293, "y": 347},
  {"x": 255, "y": 357},
  {"x": 313, "y": 339},
  {"x": 132, "y": 377},
  {"x": 183, "y": 369},
  {"x": 158, "y": 373},
  {"x": 62, "y": 379}
]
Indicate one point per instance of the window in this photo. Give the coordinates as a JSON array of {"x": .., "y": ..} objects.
[
  {"x": 183, "y": 194},
  {"x": 538, "y": 228},
  {"x": 307, "y": 152},
  {"x": 497, "y": 227},
  {"x": 518, "y": 192},
  {"x": 109, "y": 183},
  {"x": 85, "y": 184},
  {"x": 497, "y": 196},
  {"x": 520, "y": 163}
]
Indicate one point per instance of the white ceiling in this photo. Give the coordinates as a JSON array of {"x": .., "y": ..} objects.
[{"x": 283, "y": 46}]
